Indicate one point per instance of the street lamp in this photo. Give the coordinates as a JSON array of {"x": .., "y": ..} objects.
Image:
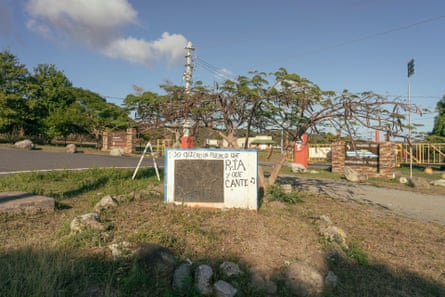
[{"x": 410, "y": 73}]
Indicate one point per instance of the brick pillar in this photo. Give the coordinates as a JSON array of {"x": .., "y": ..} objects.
[
  {"x": 105, "y": 141},
  {"x": 338, "y": 156},
  {"x": 387, "y": 159},
  {"x": 130, "y": 146}
]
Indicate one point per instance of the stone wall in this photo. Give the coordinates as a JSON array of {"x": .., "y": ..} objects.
[
  {"x": 383, "y": 166},
  {"x": 125, "y": 140}
]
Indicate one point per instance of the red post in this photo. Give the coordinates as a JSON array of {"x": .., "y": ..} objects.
[
  {"x": 301, "y": 151},
  {"x": 187, "y": 142},
  {"x": 377, "y": 136}
]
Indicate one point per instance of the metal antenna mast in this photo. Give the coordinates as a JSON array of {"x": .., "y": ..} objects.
[{"x": 187, "y": 76}]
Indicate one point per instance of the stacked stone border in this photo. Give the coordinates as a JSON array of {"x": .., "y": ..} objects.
[
  {"x": 386, "y": 161},
  {"x": 125, "y": 140}
]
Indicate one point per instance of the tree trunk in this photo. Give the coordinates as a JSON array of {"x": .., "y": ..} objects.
[{"x": 277, "y": 168}]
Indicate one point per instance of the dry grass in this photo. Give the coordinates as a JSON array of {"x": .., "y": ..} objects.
[{"x": 405, "y": 257}]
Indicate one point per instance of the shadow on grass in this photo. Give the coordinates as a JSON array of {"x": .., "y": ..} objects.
[
  {"x": 87, "y": 187},
  {"x": 43, "y": 272},
  {"x": 380, "y": 280}
]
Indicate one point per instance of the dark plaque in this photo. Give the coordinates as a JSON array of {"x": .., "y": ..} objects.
[{"x": 199, "y": 181}]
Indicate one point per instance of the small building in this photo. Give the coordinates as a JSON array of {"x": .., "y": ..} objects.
[{"x": 261, "y": 142}]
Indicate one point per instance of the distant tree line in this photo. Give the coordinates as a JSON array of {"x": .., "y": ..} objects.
[{"x": 44, "y": 104}]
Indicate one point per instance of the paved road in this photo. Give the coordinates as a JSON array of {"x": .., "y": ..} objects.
[
  {"x": 21, "y": 160},
  {"x": 419, "y": 206}
]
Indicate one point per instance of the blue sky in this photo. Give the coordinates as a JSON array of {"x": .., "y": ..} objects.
[{"x": 107, "y": 46}]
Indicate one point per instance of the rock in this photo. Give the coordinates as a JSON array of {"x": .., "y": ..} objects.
[
  {"x": 331, "y": 279},
  {"x": 403, "y": 180},
  {"x": 14, "y": 203},
  {"x": 298, "y": 168},
  {"x": 438, "y": 182},
  {"x": 182, "y": 275},
  {"x": 304, "y": 280},
  {"x": 418, "y": 182},
  {"x": 334, "y": 234},
  {"x": 230, "y": 268},
  {"x": 157, "y": 261},
  {"x": 87, "y": 221},
  {"x": 107, "y": 202},
  {"x": 120, "y": 250},
  {"x": 116, "y": 152},
  {"x": 71, "y": 148},
  {"x": 224, "y": 289},
  {"x": 286, "y": 188},
  {"x": 24, "y": 144},
  {"x": 203, "y": 277},
  {"x": 354, "y": 176}
]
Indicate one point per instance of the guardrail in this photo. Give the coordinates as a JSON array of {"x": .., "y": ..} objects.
[{"x": 422, "y": 153}]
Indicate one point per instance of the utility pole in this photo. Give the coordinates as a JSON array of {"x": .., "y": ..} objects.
[
  {"x": 187, "y": 139},
  {"x": 410, "y": 72}
]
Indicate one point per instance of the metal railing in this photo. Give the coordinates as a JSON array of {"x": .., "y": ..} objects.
[{"x": 422, "y": 153}]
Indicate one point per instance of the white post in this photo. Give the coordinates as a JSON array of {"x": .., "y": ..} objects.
[{"x": 409, "y": 133}]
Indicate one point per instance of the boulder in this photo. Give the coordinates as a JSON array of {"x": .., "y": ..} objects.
[
  {"x": 403, "y": 180},
  {"x": 24, "y": 144},
  {"x": 229, "y": 268},
  {"x": 438, "y": 182},
  {"x": 297, "y": 168},
  {"x": 13, "y": 203},
  {"x": 89, "y": 221},
  {"x": 334, "y": 234},
  {"x": 354, "y": 176},
  {"x": 224, "y": 289},
  {"x": 107, "y": 202},
  {"x": 203, "y": 277},
  {"x": 182, "y": 275},
  {"x": 71, "y": 148},
  {"x": 286, "y": 188},
  {"x": 419, "y": 182},
  {"x": 116, "y": 152},
  {"x": 157, "y": 261},
  {"x": 120, "y": 250}
]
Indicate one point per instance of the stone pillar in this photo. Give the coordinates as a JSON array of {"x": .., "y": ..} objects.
[
  {"x": 387, "y": 159},
  {"x": 338, "y": 151},
  {"x": 105, "y": 141},
  {"x": 130, "y": 146}
]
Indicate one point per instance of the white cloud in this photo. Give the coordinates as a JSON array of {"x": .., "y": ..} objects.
[
  {"x": 169, "y": 46},
  {"x": 96, "y": 24}
]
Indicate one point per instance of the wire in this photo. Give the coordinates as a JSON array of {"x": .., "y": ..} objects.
[{"x": 216, "y": 71}]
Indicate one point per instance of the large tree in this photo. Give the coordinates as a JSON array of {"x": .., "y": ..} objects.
[
  {"x": 14, "y": 92},
  {"x": 290, "y": 103}
]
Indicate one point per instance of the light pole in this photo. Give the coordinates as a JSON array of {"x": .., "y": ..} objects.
[{"x": 410, "y": 72}]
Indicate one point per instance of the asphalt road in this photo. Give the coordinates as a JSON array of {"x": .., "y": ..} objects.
[{"x": 12, "y": 161}]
